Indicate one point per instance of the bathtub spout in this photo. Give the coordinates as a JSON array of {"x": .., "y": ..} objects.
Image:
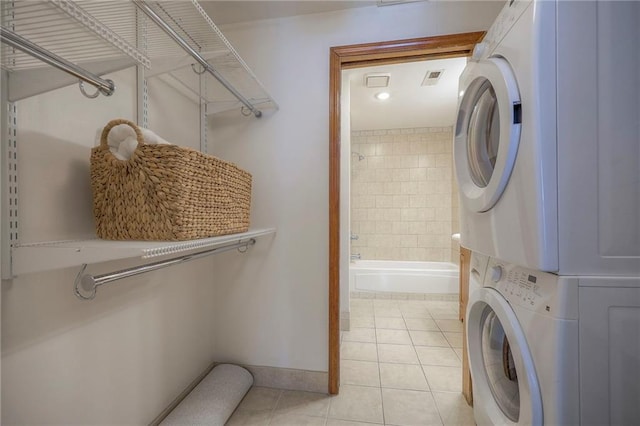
[{"x": 356, "y": 256}]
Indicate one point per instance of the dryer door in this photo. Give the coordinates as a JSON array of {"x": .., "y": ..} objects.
[
  {"x": 505, "y": 385},
  {"x": 487, "y": 132}
]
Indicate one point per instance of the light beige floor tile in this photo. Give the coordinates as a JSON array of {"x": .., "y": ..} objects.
[
  {"x": 428, "y": 338},
  {"x": 421, "y": 324},
  {"x": 361, "y": 311},
  {"x": 362, "y": 373},
  {"x": 387, "y": 312},
  {"x": 458, "y": 352},
  {"x": 359, "y": 351},
  {"x": 449, "y": 314},
  {"x": 382, "y": 303},
  {"x": 402, "y": 376},
  {"x": 334, "y": 422},
  {"x": 390, "y": 323},
  {"x": 454, "y": 326},
  {"x": 365, "y": 335},
  {"x": 303, "y": 403},
  {"x": 296, "y": 420},
  {"x": 360, "y": 303},
  {"x": 397, "y": 337},
  {"x": 408, "y": 408},
  {"x": 453, "y": 409},
  {"x": 415, "y": 310},
  {"x": 448, "y": 379},
  {"x": 399, "y": 354},
  {"x": 430, "y": 355},
  {"x": 249, "y": 418},
  {"x": 363, "y": 322},
  {"x": 454, "y": 339},
  {"x": 259, "y": 399},
  {"x": 357, "y": 403}
]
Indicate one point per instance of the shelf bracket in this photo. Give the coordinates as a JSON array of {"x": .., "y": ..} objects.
[
  {"x": 86, "y": 286},
  {"x": 9, "y": 199}
]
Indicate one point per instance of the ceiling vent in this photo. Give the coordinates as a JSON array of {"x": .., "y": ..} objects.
[
  {"x": 377, "y": 80},
  {"x": 431, "y": 77}
]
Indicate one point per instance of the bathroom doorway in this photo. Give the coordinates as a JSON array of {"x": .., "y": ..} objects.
[{"x": 354, "y": 57}]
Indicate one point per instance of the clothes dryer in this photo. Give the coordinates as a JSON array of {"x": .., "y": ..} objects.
[{"x": 547, "y": 142}]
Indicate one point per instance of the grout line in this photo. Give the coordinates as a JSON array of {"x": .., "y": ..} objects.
[
  {"x": 273, "y": 410},
  {"x": 379, "y": 371}
]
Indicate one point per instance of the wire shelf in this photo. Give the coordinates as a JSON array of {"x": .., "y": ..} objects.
[
  {"x": 79, "y": 31},
  {"x": 195, "y": 27}
]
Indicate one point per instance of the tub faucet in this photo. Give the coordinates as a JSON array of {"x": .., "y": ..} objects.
[
  {"x": 355, "y": 256},
  {"x": 354, "y": 236}
]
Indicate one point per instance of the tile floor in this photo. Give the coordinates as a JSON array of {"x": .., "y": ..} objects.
[{"x": 400, "y": 365}]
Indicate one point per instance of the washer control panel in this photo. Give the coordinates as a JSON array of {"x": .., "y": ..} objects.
[{"x": 537, "y": 291}]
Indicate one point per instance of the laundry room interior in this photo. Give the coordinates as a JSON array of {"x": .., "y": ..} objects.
[{"x": 229, "y": 212}]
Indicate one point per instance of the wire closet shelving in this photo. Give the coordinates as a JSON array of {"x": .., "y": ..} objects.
[{"x": 174, "y": 40}]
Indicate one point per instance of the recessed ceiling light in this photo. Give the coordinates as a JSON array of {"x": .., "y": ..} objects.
[{"x": 382, "y": 96}]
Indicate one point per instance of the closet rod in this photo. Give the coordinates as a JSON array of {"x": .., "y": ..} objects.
[
  {"x": 106, "y": 87},
  {"x": 203, "y": 62},
  {"x": 86, "y": 286}
]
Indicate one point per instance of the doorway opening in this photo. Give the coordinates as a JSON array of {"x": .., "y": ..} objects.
[{"x": 359, "y": 56}]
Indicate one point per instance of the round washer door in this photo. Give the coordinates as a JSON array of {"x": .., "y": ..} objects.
[
  {"x": 487, "y": 132},
  {"x": 505, "y": 385}
]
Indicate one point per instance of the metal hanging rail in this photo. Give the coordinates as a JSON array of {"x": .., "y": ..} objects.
[
  {"x": 203, "y": 62},
  {"x": 86, "y": 286},
  {"x": 106, "y": 87}
]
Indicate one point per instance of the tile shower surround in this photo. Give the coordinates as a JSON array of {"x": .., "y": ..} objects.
[{"x": 402, "y": 205}]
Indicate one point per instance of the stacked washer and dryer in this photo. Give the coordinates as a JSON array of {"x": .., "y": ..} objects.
[{"x": 547, "y": 156}]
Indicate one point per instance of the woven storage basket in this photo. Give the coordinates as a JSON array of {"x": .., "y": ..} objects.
[{"x": 166, "y": 192}]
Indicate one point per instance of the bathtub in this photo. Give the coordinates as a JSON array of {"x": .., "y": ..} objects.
[{"x": 403, "y": 277}]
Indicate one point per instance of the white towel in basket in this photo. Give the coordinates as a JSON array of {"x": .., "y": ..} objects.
[{"x": 122, "y": 140}]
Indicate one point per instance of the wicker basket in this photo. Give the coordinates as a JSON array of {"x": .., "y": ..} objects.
[{"x": 166, "y": 192}]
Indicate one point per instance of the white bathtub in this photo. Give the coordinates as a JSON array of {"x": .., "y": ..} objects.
[{"x": 403, "y": 277}]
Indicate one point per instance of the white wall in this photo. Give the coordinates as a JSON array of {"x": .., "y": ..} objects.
[
  {"x": 274, "y": 310},
  {"x": 123, "y": 357}
]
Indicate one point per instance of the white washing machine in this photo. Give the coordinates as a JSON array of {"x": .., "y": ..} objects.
[
  {"x": 547, "y": 142},
  {"x": 554, "y": 350}
]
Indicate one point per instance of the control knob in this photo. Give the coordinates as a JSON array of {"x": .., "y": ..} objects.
[{"x": 496, "y": 273}]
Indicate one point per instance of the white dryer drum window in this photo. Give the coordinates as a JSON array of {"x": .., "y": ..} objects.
[{"x": 487, "y": 132}]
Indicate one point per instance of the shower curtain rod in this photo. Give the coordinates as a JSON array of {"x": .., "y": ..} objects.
[{"x": 86, "y": 285}]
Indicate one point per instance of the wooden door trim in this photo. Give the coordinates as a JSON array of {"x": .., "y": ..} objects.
[{"x": 357, "y": 56}]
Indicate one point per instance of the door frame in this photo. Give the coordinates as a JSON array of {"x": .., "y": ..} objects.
[{"x": 358, "y": 56}]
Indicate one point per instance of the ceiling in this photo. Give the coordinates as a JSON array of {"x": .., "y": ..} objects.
[
  {"x": 231, "y": 12},
  {"x": 410, "y": 104}
]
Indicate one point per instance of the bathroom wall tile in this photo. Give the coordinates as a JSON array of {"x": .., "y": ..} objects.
[
  {"x": 402, "y": 175},
  {"x": 400, "y": 201},
  {"x": 399, "y": 228},
  {"x": 384, "y": 149},
  {"x": 418, "y": 201},
  {"x": 417, "y": 228},
  {"x": 384, "y": 227},
  {"x": 404, "y": 147},
  {"x": 417, "y": 174}
]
